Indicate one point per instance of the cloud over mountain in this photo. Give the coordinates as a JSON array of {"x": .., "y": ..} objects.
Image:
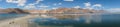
[
  {"x": 113, "y": 10},
  {"x": 30, "y": 6},
  {"x": 19, "y": 2},
  {"x": 76, "y": 7},
  {"x": 33, "y": 5}
]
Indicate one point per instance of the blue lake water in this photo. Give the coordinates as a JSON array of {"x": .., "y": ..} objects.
[
  {"x": 10, "y": 16},
  {"x": 107, "y": 20}
]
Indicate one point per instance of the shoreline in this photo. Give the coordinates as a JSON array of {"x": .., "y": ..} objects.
[{"x": 17, "y": 22}]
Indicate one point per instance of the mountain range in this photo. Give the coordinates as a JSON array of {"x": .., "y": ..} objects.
[{"x": 52, "y": 11}]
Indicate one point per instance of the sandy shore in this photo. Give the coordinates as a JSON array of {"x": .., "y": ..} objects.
[{"x": 17, "y": 22}]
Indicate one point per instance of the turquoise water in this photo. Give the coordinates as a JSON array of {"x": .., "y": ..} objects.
[
  {"x": 107, "y": 20},
  {"x": 10, "y": 16}
]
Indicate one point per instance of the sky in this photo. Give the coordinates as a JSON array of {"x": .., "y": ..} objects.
[{"x": 53, "y": 4}]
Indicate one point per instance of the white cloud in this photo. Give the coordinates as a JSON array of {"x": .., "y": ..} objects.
[
  {"x": 55, "y": 4},
  {"x": 113, "y": 10},
  {"x": 37, "y": 1},
  {"x": 97, "y": 5},
  {"x": 88, "y": 5},
  {"x": 12, "y": 1},
  {"x": 43, "y": 6},
  {"x": 30, "y": 6},
  {"x": 76, "y": 7},
  {"x": 33, "y": 6},
  {"x": 54, "y": 7},
  {"x": 19, "y": 2},
  {"x": 68, "y": 0}
]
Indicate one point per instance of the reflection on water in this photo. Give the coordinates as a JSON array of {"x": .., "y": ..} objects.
[
  {"x": 67, "y": 16},
  {"x": 88, "y": 17},
  {"x": 69, "y": 20},
  {"x": 87, "y": 20}
]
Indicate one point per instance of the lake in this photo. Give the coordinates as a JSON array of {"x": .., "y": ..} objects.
[
  {"x": 10, "y": 16},
  {"x": 103, "y": 20}
]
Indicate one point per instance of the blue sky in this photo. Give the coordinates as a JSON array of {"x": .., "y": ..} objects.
[{"x": 37, "y": 4}]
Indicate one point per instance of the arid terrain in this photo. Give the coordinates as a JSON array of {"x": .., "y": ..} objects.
[{"x": 52, "y": 11}]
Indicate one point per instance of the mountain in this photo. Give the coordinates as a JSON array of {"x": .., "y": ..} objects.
[
  {"x": 13, "y": 10},
  {"x": 73, "y": 11},
  {"x": 53, "y": 11},
  {"x": 37, "y": 11},
  {"x": 59, "y": 10}
]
